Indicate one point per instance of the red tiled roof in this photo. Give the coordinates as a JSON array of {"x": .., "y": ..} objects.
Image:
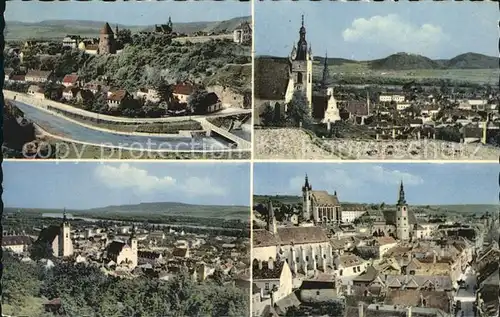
[
  {"x": 183, "y": 89},
  {"x": 70, "y": 79},
  {"x": 118, "y": 95}
]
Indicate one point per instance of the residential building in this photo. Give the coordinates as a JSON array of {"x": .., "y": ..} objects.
[
  {"x": 182, "y": 91},
  {"x": 71, "y": 80},
  {"x": 243, "y": 33},
  {"x": 71, "y": 41},
  {"x": 116, "y": 98},
  {"x": 275, "y": 279},
  {"x": 36, "y": 91},
  {"x": 38, "y": 76},
  {"x": 16, "y": 243}
]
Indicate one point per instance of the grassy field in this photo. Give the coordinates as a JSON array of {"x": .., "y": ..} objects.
[{"x": 361, "y": 71}]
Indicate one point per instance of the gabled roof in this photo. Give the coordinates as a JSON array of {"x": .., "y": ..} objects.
[
  {"x": 47, "y": 235},
  {"x": 15, "y": 240},
  {"x": 70, "y": 79},
  {"x": 302, "y": 235},
  {"x": 118, "y": 95},
  {"x": 271, "y": 78},
  {"x": 264, "y": 238},
  {"x": 106, "y": 29},
  {"x": 115, "y": 247},
  {"x": 183, "y": 89},
  {"x": 266, "y": 272},
  {"x": 322, "y": 197}
]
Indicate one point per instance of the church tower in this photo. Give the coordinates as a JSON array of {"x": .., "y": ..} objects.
[
  {"x": 132, "y": 242},
  {"x": 107, "y": 43},
  {"x": 170, "y": 24},
  {"x": 65, "y": 244},
  {"x": 271, "y": 218},
  {"x": 306, "y": 200},
  {"x": 301, "y": 61},
  {"x": 402, "y": 222}
]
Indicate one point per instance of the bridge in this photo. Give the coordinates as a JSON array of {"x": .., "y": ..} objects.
[{"x": 212, "y": 128}]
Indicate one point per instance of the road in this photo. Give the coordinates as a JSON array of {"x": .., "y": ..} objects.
[
  {"x": 62, "y": 127},
  {"x": 43, "y": 103},
  {"x": 467, "y": 296}
]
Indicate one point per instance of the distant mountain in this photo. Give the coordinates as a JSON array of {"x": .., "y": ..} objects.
[
  {"x": 406, "y": 61},
  {"x": 157, "y": 209},
  {"x": 57, "y": 29},
  {"x": 472, "y": 61}
]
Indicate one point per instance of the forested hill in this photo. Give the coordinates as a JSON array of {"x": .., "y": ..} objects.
[{"x": 405, "y": 61}]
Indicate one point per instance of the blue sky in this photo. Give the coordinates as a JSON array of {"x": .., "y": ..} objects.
[
  {"x": 128, "y": 13},
  {"x": 363, "y": 30},
  {"x": 88, "y": 184},
  {"x": 451, "y": 183}
]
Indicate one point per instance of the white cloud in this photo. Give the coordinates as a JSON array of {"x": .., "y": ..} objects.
[
  {"x": 393, "y": 32},
  {"x": 140, "y": 181}
]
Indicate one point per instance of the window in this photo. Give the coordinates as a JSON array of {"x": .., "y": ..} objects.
[
  {"x": 340, "y": 272},
  {"x": 266, "y": 287},
  {"x": 317, "y": 293},
  {"x": 399, "y": 218},
  {"x": 307, "y": 258},
  {"x": 404, "y": 218}
]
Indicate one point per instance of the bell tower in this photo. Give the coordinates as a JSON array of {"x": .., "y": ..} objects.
[
  {"x": 65, "y": 242},
  {"x": 306, "y": 200},
  {"x": 402, "y": 219},
  {"x": 301, "y": 68},
  {"x": 132, "y": 242}
]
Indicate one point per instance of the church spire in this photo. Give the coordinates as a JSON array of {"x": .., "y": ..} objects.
[
  {"x": 324, "y": 80},
  {"x": 132, "y": 232},
  {"x": 401, "y": 200},
  {"x": 306, "y": 186},
  {"x": 65, "y": 218},
  {"x": 302, "y": 47}
]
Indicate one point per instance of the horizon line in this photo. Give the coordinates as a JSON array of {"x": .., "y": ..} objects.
[
  {"x": 130, "y": 25},
  {"x": 257, "y": 55}
]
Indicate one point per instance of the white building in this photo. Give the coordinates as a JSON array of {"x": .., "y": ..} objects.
[{"x": 389, "y": 98}]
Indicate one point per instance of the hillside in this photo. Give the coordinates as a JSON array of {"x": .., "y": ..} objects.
[
  {"x": 405, "y": 61},
  {"x": 155, "y": 210},
  {"x": 57, "y": 29}
]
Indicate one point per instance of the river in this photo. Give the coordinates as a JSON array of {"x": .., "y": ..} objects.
[{"x": 65, "y": 128}]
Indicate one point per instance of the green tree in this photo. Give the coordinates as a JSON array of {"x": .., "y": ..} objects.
[
  {"x": 298, "y": 111},
  {"x": 196, "y": 101},
  {"x": 267, "y": 117}
]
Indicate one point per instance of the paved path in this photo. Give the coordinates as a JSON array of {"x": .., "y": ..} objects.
[{"x": 60, "y": 126}]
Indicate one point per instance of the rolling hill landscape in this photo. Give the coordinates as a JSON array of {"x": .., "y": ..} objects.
[
  {"x": 57, "y": 29},
  {"x": 155, "y": 210},
  {"x": 463, "y": 70}
]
